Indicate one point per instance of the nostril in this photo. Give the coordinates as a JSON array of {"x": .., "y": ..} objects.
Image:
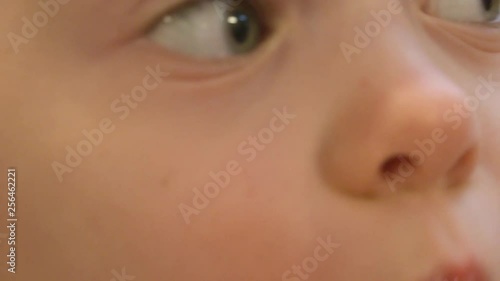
[{"x": 393, "y": 164}]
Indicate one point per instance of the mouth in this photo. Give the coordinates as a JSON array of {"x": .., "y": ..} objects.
[{"x": 467, "y": 272}]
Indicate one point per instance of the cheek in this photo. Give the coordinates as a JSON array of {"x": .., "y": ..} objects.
[
  {"x": 257, "y": 225},
  {"x": 253, "y": 229},
  {"x": 241, "y": 240},
  {"x": 121, "y": 202},
  {"x": 491, "y": 130}
]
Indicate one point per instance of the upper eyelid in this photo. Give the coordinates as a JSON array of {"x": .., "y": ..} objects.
[
  {"x": 160, "y": 10},
  {"x": 262, "y": 5},
  {"x": 268, "y": 9},
  {"x": 141, "y": 4}
]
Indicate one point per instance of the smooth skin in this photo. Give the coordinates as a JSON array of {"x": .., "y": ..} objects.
[{"x": 322, "y": 176}]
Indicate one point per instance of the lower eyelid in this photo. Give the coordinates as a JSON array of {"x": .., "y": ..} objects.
[
  {"x": 481, "y": 38},
  {"x": 485, "y": 34}
]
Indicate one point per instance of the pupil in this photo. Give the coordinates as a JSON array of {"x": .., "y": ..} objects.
[
  {"x": 239, "y": 26},
  {"x": 488, "y": 4}
]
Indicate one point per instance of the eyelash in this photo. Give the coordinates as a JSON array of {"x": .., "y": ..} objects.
[{"x": 266, "y": 8}]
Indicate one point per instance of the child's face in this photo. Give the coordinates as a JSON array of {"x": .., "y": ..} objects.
[{"x": 312, "y": 140}]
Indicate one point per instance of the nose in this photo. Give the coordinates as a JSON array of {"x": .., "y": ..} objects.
[{"x": 407, "y": 130}]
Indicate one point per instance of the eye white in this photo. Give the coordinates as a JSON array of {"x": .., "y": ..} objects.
[
  {"x": 198, "y": 30},
  {"x": 464, "y": 11}
]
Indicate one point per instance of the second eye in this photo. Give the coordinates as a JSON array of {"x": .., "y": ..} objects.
[
  {"x": 207, "y": 29},
  {"x": 474, "y": 11}
]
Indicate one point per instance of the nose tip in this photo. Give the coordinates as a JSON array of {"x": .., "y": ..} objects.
[
  {"x": 415, "y": 137},
  {"x": 430, "y": 141}
]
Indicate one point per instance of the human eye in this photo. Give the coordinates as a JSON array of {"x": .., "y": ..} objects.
[
  {"x": 471, "y": 11},
  {"x": 210, "y": 29}
]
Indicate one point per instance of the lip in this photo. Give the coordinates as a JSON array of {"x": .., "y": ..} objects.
[{"x": 467, "y": 272}]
